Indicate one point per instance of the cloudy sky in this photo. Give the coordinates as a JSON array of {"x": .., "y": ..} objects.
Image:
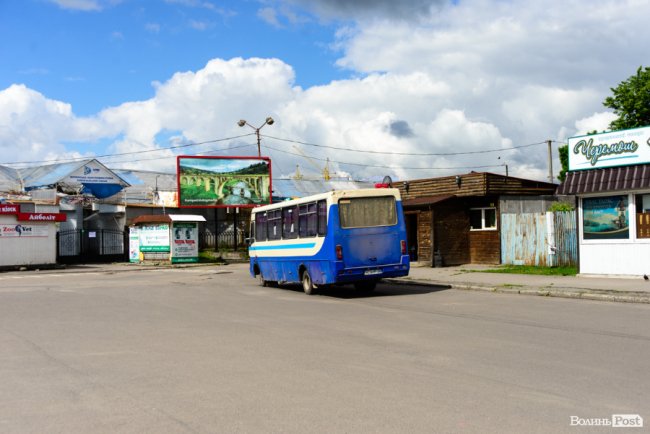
[{"x": 409, "y": 88}]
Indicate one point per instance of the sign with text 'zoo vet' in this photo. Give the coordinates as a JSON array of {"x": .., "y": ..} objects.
[
  {"x": 616, "y": 148},
  {"x": 223, "y": 182}
]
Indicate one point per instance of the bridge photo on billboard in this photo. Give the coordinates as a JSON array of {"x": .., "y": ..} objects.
[{"x": 223, "y": 182}]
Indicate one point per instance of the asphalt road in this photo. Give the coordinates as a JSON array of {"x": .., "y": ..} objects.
[{"x": 206, "y": 349}]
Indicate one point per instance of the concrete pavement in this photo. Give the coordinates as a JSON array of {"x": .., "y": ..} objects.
[{"x": 475, "y": 277}]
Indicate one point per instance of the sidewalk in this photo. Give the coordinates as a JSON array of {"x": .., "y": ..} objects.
[{"x": 470, "y": 277}]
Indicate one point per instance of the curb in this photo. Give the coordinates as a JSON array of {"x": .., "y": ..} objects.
[{"x": 575, "y": 293}]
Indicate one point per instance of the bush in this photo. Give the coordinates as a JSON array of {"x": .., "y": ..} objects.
[{"x": 561, "y": 206}]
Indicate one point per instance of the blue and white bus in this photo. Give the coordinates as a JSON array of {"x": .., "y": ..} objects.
[{"x": 339, "y": 237}]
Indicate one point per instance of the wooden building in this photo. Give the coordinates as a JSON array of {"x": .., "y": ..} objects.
[{"x": 454, "y": 220}]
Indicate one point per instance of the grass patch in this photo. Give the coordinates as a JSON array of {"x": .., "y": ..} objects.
[
  {"x": 530, "y": 269},
  {"x": 210, "y": 257}
]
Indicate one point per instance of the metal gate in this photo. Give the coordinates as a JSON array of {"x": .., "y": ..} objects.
[
  {"x": 541, "y": 239},
  {"x": 99, "y": 245}
]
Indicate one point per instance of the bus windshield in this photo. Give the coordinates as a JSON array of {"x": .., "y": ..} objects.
[{"x": 365, "y": 212}]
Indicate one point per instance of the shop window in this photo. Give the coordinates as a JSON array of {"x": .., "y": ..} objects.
[
  {"x": 642, "y": 202},
  {"x": 605, "y": 218},
  {"x": 483, "y": 219}
]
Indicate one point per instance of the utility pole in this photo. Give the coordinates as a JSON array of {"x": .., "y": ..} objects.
[{"x": 550, "y": 162}]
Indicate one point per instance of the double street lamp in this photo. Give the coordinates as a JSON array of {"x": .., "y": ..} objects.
[{"x": 268, "y": 121}]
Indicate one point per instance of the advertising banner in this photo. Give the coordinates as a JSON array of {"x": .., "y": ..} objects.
[
  {"x": 605, "y": 218},
  {"x": 154, "y": 238},
  {"x": 134, "y": 244},
  {"x": 617, "y": 148},
  {"x": 185, "y": 242},
  {"x": 223, "y": 182}
]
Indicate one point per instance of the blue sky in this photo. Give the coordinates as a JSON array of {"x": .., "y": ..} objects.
[
  {"x": 105, "y": 56},
  {"x": 411, "y": 89}
]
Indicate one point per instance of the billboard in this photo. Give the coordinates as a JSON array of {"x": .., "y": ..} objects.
[
  {"x": 223, "y": 182},
  {"x": 616, "y": 148}
]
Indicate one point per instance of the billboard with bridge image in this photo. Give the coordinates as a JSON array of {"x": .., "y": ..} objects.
[{"x": 223, "y": 182}]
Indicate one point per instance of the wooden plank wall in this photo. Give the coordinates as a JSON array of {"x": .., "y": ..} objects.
[
  {"x": 451, "y": 229},
  {"x": 474, "y": 184}
]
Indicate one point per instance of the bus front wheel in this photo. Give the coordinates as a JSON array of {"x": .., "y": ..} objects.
[{"x": 307, "y": 283}]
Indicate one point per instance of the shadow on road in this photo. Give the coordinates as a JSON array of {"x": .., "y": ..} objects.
[{"x": 382, "y": 290}]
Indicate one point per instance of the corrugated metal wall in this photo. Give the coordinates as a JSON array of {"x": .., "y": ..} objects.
[
  {"x": 525, "y": 239},
  {"x": 566, "y": 238}
]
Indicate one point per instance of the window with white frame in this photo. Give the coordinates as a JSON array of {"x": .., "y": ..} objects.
[{"x": 483, "y": 218}]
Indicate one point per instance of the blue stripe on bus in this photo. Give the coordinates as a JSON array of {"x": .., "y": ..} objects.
[{"x": 285, "y": 247}]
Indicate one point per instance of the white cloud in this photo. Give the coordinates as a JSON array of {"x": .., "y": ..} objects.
[
  {"x": 85, "y": 5},
  {"x": 269, "y": 16},
  {"x": 81, "y": 5},
  {"x": 472, "y": 76},
  {"x": 152, "y": 27},
  {"x": 596, "y": 122},
  {"x": 33, "y": 128}
]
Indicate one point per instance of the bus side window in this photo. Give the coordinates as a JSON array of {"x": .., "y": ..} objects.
[
  {"x": 260, "y": 226},
  {"x": 308, "y": 220},
  {"x": 322, "y": 217},
  {"x": 251, "y": 231},
  {"x": 290, "y": 222},
  {"x": 274, "y": 222}
]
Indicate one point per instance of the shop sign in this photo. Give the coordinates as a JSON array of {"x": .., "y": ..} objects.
[
  {"x": 23, "y": 231},
  {"x": 41, "y": 217},
  {"x": 9, "y": 209},
  {"x": 616, "y": 148}
]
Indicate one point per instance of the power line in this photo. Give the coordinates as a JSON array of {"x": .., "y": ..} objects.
[
  {"x": 384, "y": 166},
  {"x": 167, "y": 156},
  {"x": 413, "y": 154},
  {"x": 186, "y": 145}
]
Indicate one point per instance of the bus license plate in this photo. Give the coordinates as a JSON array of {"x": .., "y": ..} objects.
[{"x": 371, "y": 272}]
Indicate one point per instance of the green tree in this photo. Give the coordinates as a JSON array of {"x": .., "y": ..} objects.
[
  {"x": 563, "y": 152},
  {"x": 631, "y": 101}
]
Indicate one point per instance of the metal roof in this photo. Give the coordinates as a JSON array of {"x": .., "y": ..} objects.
[
  {"x": 292, "y": 188},
  {"x": 605, "y": 180}
]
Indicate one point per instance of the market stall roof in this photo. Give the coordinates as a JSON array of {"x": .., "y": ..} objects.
[
  {"x": 605, "y": 180},
  {"x": 86, "y": 176},
  {"x": 290, "y": 188}
]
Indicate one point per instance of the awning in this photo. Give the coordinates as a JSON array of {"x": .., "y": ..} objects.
[
  {"x": 606, "y": 180},
  {"x": 426, "y": 200}
]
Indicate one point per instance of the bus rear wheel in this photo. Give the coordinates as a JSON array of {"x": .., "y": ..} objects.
[{"x": 307, "y": 284}]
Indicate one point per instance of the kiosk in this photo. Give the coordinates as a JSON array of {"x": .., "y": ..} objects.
[{"x": 173, "y": 238}]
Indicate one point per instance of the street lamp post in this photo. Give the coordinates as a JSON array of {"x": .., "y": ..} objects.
[{"x": 268, "y": 121}]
